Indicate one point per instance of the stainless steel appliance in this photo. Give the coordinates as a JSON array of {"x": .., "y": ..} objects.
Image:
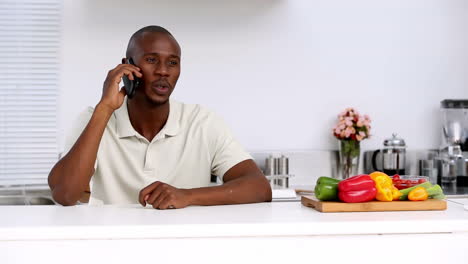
[
  {"x": 452, "y": 161},
  {"x": 393, "y": 156},
  {"x": 277, "y": 171}
]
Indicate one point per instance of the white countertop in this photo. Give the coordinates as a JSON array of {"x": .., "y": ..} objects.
[{"x": 263, "y": 219}]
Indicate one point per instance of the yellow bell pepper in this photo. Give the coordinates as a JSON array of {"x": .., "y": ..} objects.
[
  {"x": 377, "y": 173},
  {"x": 396, "y": 193},
  {"x": 384, "y": 186}
]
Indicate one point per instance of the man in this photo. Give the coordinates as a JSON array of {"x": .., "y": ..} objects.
[{"x": 150, "y": 149}]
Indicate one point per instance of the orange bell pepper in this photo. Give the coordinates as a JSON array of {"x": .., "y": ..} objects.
[{"x": 418, "y": 194}]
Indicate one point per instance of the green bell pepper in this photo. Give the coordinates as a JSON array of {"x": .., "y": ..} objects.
[{"x": 326, "y": 189}]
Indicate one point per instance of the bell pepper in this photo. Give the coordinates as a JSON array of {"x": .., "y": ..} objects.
[
  {"x": 405, "y": 192},
  {"x": 357, "y": 189},
  {"x": 396, "y": 194},
  {"x": 375, "y": 174},
  {"x": 384, "y": 186},
  {"x": 326, "y": 189},
  {"x": 433, "y": 191},
  {"x": 418, "y": 194}
]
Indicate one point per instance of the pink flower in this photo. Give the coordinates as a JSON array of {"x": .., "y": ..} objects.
[
  {"x": 349, "y": 121},
  {"x": 348, "y": 131},
  {"x": 342, "y": 134},
  {"x": 349, "y": 109},
  {"x": 360, "y": 122}
]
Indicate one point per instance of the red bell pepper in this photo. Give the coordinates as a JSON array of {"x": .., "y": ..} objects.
[{"x": 357, "y": 189}]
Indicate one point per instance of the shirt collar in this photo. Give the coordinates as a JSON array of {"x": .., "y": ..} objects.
[{"x": 125, "y": 129}]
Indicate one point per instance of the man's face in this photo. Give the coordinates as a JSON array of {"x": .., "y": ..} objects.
[{"x": 158, "y": 57}]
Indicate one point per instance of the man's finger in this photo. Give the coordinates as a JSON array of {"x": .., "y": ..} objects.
[
  {"x": 123, "y": 91},
  {"x": 123, "y": 72},
  {"x": 127, "y": 66},
  {"x": 142, "y": 197},
  {"x": 135, "y": 70},
  {"x": 154, "y": 195},
  {"x": 163, "y": 194},
  {"x": 161, "y": 197},
  {"x": 167, "y": 203}
]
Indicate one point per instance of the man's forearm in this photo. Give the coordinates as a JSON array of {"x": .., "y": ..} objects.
[
  {"x": 70, "y": 176},
  {"x": 251, "y": 188}
]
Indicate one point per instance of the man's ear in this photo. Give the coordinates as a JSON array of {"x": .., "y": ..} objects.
[{"x": 124, "y": 60}]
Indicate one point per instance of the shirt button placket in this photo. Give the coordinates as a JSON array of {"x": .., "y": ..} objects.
[{"x": 149, "y": 161}]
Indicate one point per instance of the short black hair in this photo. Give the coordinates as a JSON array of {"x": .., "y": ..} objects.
[{"x": 140, "y": 32}]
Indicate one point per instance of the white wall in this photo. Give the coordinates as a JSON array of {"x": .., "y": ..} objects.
[{"x": 280, "y": 71}]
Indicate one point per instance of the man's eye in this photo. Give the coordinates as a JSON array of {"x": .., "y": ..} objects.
[
  {"x": 151, "y": 60},
  {"x": 173, "y": 63}
]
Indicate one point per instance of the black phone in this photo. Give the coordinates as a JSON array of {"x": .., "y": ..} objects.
[{"x": 131, "y": 86}]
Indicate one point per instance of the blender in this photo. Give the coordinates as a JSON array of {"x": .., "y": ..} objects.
[{"x": 453, "y": 155}]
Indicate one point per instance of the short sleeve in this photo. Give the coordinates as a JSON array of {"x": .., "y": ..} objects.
[
  {"x": 77, "y": 128},
  {"x": 228, "y": 152}
]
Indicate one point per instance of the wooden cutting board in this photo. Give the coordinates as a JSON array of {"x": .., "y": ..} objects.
[{"x": 374, "y": 206}]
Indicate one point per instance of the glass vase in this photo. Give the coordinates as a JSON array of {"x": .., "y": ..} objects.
[{"x": 350, "y": 151}]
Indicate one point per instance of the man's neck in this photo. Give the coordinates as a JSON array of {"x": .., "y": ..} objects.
[{"x": 146, "y": 118}]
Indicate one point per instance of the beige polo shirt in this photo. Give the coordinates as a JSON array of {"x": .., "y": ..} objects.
[{"x": 194, "y": 144}]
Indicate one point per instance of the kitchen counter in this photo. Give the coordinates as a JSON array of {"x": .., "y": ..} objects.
[
  {"x": 285, "y": 228},
  {"x": 263, "y": 219}
]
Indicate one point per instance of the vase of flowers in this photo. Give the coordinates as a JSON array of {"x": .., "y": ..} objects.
[{"x": 351, "y": 129}]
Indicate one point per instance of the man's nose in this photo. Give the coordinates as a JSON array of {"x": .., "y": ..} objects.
[{"x": 161, "y": 69}]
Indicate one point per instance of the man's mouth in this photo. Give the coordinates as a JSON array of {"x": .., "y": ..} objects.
[{"x": 161, "y": 87}]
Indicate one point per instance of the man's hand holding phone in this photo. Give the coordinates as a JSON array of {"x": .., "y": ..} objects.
[{"x": 112, "y": 98}]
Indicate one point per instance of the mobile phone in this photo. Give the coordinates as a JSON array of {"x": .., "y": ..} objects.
[{"x": 131, "y": 86}]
